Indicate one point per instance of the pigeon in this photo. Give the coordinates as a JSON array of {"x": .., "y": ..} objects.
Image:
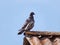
[{"x": 29, "y": 24}]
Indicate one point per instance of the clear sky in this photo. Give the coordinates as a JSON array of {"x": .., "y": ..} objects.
[{"x": 13, "y": 14}]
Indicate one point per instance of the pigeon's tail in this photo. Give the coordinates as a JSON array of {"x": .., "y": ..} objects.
[{"x": 20, "y": 31}]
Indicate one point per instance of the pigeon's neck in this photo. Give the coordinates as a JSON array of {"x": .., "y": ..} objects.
[{"x": 32, "y": 18}]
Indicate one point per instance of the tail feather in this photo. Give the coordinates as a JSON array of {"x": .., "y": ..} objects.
[{"x": 20, "y": 31}]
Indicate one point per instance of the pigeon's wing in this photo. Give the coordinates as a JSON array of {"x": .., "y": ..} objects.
[
  {"x": 23, "y": 28},
  {"x": 25, "y": 24},
  {"x": 29, "y": 26}
]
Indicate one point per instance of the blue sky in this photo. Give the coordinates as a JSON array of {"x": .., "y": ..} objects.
[{"x": 13, "y": 14}]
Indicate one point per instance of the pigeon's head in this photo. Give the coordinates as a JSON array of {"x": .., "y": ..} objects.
[{"x": 32, "y": 13}]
